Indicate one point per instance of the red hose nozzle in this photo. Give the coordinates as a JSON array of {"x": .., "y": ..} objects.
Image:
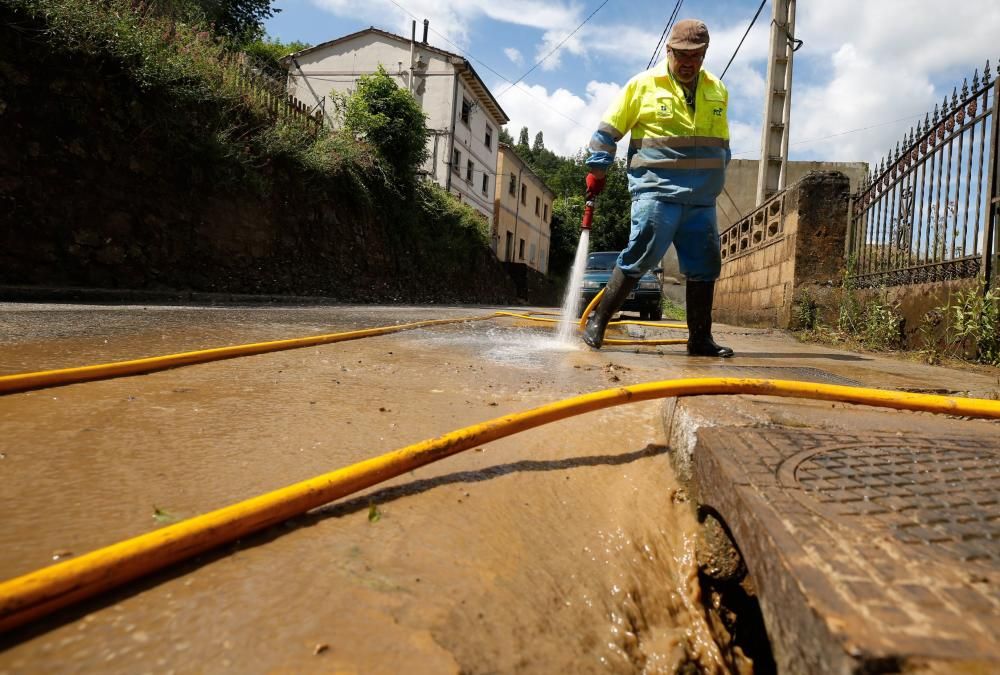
[{"x": 588, "y": 215}]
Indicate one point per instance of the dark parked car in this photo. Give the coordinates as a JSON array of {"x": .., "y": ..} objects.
[{"x": 647, "y": 298}]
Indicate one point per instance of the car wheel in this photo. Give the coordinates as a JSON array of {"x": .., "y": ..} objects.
[
  {"x": 657, "y": 313},
  {"x": 644, "y": 315}
]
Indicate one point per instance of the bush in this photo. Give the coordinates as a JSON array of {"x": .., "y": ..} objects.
[
  {"x": 974, "y": 323},
  {"x": 389, "y": 118},
  {"x": 267, "y": 52},
  {"x": 881, "y": 324},
  {"x": 806, "y": 311}
]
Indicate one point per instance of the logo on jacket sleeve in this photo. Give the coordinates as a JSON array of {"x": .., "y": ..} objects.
[{"x": 717, "y": 112}]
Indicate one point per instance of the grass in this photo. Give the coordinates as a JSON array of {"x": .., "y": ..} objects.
[{"x": 672, "y": 311}]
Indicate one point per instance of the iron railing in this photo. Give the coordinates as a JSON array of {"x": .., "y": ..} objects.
[{"x": 928, "y": 211}]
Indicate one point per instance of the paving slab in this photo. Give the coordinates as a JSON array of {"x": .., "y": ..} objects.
[{"x": 871, "y": 536}]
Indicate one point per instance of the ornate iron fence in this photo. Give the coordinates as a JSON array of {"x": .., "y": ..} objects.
[{"x": 928, "y": 212}]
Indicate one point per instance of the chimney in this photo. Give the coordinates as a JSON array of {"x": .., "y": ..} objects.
[{"x": 426, "y": 23}]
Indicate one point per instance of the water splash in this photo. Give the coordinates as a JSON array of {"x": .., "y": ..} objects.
[{"x": 571, "y": 304}]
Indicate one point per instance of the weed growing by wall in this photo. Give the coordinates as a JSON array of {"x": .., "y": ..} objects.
[
  {"x": 806, "y": 311},
  {"x": 881, "y": 323},
  {"x": 971, "y": 320}
]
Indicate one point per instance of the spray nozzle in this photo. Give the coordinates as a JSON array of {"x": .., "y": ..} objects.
[{"x": 588, "y": 215}]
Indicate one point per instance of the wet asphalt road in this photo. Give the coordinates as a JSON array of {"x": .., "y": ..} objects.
[{"x": 566, "y": 548}]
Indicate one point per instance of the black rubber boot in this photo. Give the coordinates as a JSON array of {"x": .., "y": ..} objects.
[
  {"x": 618, "y": 288},
  {"x": 700, "y": 295}
]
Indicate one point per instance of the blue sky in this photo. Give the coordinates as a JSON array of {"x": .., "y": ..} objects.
[{"x": 867, "y": 71}]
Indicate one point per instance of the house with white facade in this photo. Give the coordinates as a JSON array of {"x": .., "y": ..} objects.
[{"x": 463, "y": 117}]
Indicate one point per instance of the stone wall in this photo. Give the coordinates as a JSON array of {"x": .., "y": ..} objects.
[
  {"x": 792, "y": 243},
  {"x": 533, "y": 287},
  {"x": 105, "y": 184},
  {"x": 918, "y": 306},
  {"x": 740, "y": 196}
]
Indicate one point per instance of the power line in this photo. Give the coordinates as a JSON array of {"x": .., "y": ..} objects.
[
  {"x": 843, "y": 133},
  {"x": 670, "y": 22},
  {"x": 752, "y": 22},
  {"x": 502, "y": 77},
  {"x": 554, "y": 49}
]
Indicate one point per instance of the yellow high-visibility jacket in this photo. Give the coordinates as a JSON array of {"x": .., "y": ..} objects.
[{"x": 676, "y": 152}]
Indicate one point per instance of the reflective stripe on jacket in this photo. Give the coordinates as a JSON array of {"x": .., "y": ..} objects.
[{"x": 675, "y": 152}]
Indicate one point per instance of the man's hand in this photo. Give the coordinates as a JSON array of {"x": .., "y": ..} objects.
[{"x": 595, "y": 184}]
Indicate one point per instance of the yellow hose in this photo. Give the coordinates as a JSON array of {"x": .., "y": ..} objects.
[
  {"x": 38, "y": 593},
  {"x": 41, "y": 379},
  {"x": 593, "y": 304},
  {"x": 590, "y": 308},
  {"x": 50, "y": 378}
]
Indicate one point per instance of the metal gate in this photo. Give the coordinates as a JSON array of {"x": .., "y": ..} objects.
[{"x": 929, "y": 210}]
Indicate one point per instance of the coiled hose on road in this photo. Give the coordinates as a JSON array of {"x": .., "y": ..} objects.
[{"x": 44, "y": 591}]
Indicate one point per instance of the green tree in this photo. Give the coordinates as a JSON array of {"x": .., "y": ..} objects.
[
  {"x": 538, "y": 145},
  {"x": 268, "y": 52},
  {"x": 523, "y": 149},
  {"x": 565, "y": 235},
  {"x": 391, "y": 120},
  {"x": 612, "y": 212},
  {"x": 505, "y": 137},
  {"x": 242, "y": 21}
]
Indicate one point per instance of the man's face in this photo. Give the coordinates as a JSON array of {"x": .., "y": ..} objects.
[{"x": 685, "y": 64}]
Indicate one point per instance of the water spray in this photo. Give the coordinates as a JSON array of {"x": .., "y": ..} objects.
[{"x": 567, "y": 324}]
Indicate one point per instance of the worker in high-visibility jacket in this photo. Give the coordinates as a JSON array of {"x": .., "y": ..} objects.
[{"x": 677, "y": 157}]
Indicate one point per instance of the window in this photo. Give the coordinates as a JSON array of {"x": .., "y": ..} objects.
[
  {"x": 486, "y": 184},
  {"x": 469, "y": 167},
  {"x": 520, "y": 249},
  {"x": 538, "y": 206},
  {"x": 466, "y": 109},
  {"x": 531, "y": 256},
  {"x": 512, "y": 188},
  {"x": 488, "y": 141},
  {"x": 545, "y": 213},
  {"x": 456, "y": 162},
  {"x": 510, "y": 247},
  {"x": 524, "y": 194}
]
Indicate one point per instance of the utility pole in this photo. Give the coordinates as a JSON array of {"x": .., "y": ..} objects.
[{"x": 777, "y": 101}]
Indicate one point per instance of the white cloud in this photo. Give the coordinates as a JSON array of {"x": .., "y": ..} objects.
[
  {"x": 886, "y": 60},
  {"x": 860, "y": 94},
  {"x": 565, "y": 119},
  {"x": 452, "y": 19},
  {"x": 862, "y": 65}
]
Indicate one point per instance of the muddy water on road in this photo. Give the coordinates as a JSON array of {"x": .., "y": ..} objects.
[{"x": 564, "y": 549}]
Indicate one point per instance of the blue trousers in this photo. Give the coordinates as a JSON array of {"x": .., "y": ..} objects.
[{"x": 693, "y": 230}]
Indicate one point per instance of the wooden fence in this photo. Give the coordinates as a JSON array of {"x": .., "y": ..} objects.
[{"x": 269, "y": 93}]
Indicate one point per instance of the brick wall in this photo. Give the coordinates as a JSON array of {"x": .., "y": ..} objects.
[{"x": 792, "y": 242}]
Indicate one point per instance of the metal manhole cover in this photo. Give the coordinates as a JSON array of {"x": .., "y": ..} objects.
[
  {"x": 803, "y": 374},
  {"x": 923, "y": 493}
]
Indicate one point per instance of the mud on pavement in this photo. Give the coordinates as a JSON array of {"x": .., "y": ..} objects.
[{"x": 568, "y": 548}]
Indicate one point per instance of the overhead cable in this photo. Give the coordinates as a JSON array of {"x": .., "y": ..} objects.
[
  {"x": 554, "y": 49},
  {"x": 666, "y": 29},
  {"x": 752, "y": 22},
  {"x": 487, "y": 67}
]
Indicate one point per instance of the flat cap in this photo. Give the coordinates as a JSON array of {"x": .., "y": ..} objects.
[{"x": 688, "y": 34}]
